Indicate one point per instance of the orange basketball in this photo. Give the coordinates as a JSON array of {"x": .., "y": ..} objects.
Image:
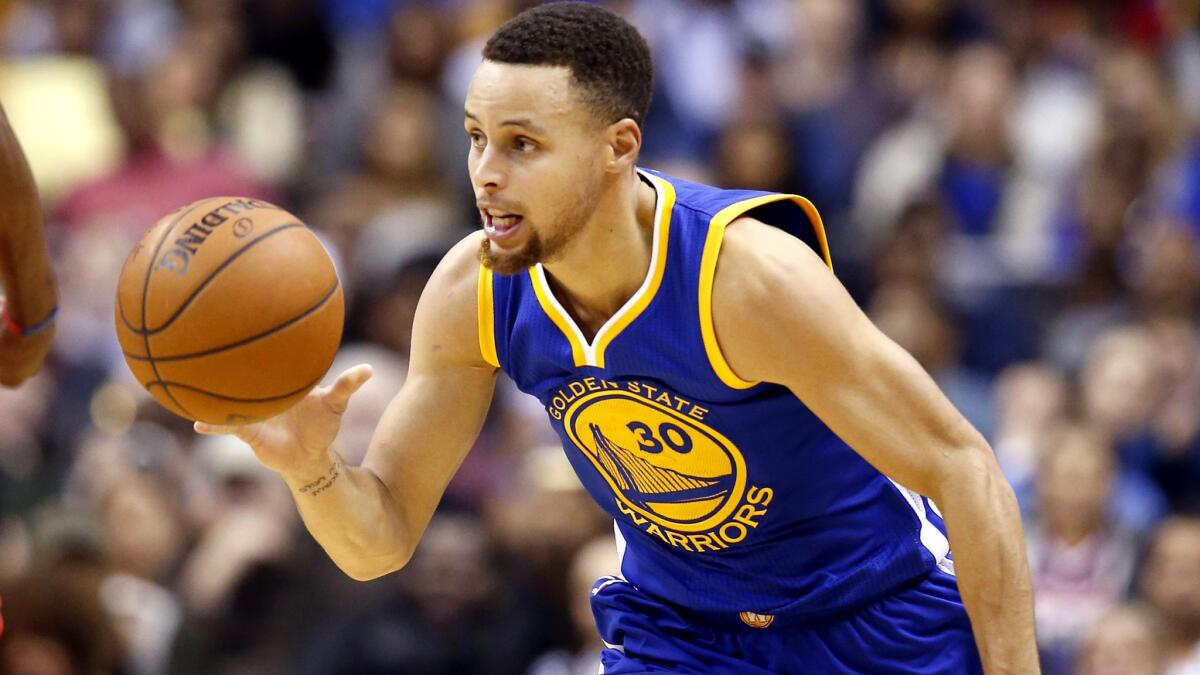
[{"x": 229, "y": 310}]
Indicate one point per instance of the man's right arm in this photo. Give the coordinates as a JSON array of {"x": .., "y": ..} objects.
[
  {"x": 425, "y": 432},
  {"x": 370, "y": 518}
]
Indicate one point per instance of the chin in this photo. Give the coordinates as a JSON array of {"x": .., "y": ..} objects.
[{"x": 509, "y": 262}]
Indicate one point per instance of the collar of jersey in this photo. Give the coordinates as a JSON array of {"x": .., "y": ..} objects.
[{"x": 591, "y": 353}]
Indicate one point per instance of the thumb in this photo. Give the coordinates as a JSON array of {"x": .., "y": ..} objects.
[{"x": 338, "y": 396}]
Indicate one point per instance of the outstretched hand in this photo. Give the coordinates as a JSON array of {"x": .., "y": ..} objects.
[{"x": 296, "y": 442}]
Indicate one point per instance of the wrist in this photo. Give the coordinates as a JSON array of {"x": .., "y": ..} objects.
[
  {"x": 21, "y": 327},
  {"x": 314, "y": 478},
  {"x": 30, "y": 297}
]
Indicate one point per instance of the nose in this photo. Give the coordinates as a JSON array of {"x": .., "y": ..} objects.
[{"x": 488, "y": 173}]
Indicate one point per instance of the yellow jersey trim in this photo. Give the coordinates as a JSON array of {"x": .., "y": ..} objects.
[
  {"x": 541, "y": 288},
  {"x": 708, "y": 269},
  {"x": 592, "y": 354},
  {"x": 658, "y": 264},
  {"x": 486, "y": 316}
]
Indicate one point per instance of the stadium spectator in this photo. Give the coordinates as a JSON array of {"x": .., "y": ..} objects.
[
  {"x": 1170, "y": 583},
  {"x": 1126, "y": 640},
  {"x": 1080, "y": 559}
]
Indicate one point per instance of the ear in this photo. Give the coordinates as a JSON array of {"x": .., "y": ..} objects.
[{"x": 624, "y": 143}]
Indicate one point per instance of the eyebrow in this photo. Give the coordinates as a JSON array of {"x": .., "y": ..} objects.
[{"x": 519, "y": 122}]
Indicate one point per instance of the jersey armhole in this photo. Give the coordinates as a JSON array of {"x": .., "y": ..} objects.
[
  {"x": 708, "y": 269},
  {"x": 486, "y": 318}
]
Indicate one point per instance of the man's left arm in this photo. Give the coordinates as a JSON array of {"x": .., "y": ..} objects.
[{"x": 781, "y": 316}]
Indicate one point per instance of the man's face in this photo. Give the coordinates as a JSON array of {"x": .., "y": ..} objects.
[
  {"x": 1075, "y": 485},
  {"x": 536, "y": 161}
]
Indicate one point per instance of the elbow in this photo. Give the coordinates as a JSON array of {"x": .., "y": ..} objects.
[
  {"x": 369, "y": 568},
  {"x": 973, "y": 470},
  {"x": 367, "y": 573}
]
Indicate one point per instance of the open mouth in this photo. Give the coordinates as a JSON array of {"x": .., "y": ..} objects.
[{"x": 499, "y": 227}]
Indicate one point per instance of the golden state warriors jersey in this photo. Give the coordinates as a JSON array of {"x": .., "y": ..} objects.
[{"x": 729, "y": 496}]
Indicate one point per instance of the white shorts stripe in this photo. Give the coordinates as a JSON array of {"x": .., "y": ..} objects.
[
  {"x": 931, "y": 537},
  {"x": 620, "y": 547}
]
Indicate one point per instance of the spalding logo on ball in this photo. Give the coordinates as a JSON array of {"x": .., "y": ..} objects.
[{"x": 229, "y": 310}]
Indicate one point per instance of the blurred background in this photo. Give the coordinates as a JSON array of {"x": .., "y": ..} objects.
[{"x": 1011, "y": 189}]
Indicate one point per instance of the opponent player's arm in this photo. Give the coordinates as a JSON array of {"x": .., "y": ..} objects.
[
  {"x": 781, "y": 316},
  {"x": 26, "y": 275},
  {"x": 369, "y": 518}
]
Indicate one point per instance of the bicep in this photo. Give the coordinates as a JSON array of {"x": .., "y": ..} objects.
[{"x": 812, "y": 338}]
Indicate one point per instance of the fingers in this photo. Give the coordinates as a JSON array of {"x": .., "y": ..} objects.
[
  {"x": 338, "y": 396},
  {"x": 213, "y": 429},
  {"x": 246, "y": 432}
]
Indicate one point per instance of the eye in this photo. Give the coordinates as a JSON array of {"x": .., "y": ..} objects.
[
  {"x": 478, "y": 140},
  {"x": 523, "y": 144}
]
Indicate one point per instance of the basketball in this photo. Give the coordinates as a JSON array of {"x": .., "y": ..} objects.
[{"x": 229, "y": 310}]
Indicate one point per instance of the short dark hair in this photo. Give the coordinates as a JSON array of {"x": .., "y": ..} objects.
[{"x": 609, "y": 60}]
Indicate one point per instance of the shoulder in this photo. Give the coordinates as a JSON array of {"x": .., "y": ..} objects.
[
  {"x": 771, "y": 292},
  {"x": 447, "y": 316},
  {"x": 457, "y": 276},
  {"x": 758, "y": 264}
]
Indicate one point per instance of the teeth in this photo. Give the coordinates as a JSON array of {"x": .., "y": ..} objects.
[{"x": 505, "y": 221}]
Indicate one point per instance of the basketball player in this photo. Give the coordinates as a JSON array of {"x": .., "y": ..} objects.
[
  {"x": 29, "y": 299},
  {"x": 771, "y": 460}
]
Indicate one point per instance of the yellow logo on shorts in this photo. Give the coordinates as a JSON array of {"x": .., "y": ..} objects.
[
  {"x": 673, "y": 475},
  {"x": 757, "y": 620}
]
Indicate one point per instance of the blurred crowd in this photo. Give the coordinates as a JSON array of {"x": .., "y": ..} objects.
[{"x": 1011, "y": 190}]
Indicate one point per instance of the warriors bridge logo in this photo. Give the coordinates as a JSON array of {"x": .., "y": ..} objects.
[{"x": 671, "y": 474}]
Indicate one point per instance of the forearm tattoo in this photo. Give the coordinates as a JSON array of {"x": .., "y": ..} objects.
[{"x": 324, "y": 482}]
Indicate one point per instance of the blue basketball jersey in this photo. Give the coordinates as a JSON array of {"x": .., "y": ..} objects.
[{"x": 730, "y": 497}]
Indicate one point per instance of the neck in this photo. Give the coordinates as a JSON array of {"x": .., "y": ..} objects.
[{"x": 610, "y": 257}]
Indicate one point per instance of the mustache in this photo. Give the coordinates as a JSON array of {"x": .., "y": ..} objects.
[{"x": 502, "y": 205}]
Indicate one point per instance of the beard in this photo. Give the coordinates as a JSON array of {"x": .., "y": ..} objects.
[
  {"x": 538, "y": 250},
  {"x": 508, "y": 264}
]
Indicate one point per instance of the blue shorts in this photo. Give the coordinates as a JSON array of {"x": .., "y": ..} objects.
[{"x": 920, "y": 628}]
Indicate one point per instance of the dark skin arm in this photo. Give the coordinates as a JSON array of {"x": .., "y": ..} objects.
[
  {"x": 781, "y": 316},
  {"x": 26, "y": 274}
]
